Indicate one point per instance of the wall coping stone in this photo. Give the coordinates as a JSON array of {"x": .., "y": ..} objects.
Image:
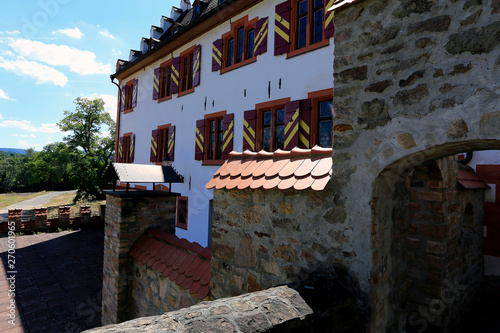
[{"x": 136, "y": 194}]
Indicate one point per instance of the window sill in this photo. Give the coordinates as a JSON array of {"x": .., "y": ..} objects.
[
  {"x": 181, "y": 226},
  {"x": 185, "y": 92},
  {"x": 164, "y": 98},
  {"x": 308, "y": 48},
  {"x": 212, "y": 162},
  {"x": 129, "y": 110},
  {"x": 238, "y": 65}
]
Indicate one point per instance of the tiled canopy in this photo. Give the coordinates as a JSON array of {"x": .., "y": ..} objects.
[
  {"x": 469, "y": 179},
  {"x": 298, "y": 169}
]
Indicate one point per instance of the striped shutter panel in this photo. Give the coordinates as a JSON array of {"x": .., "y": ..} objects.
[
  {"x": 227, "y": 141},
  {"x": 174, "y": 75},
  {"x": 156, "y": 83},
  {"x": 131, "y": 153},
  {"x": 154, "y": 146},
  {"x": 329, "y": 26},
  {"x": 120, "y": 150},
  {"x": 297, "y": 124},
  {"x": 282, "y": 28},
  {"x": 249, "y": 130},
  {"x": 260, "y": 39},
  {"x": 122, "y": 98},
  {"x": 217, "y": 55},
  {"x": 134, "y": 93},
  {"x": 199, "y": 151},
  {"x": 171, "y": 142},
  {"x": 196, "y": 65}
]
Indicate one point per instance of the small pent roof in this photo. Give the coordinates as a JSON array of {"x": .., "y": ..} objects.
[
  {"x": 469, "y": 179},
  {"x": 143, "y": 173},
  {"x": 299, "y": 169}
]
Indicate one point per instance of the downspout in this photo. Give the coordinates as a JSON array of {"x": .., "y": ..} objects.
[{"x": 117, "y": 130}]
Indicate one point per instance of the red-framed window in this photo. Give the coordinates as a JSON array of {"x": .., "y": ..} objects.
[
  {"x": 321, "y": 118},
  {"x": 214, "y": 138},
  {"x": 162, "y": 143},
  {"x": 241, "y": 45},
  {"x": 181, "y": 220},
  {"x": 126, "y": 147},
  {"x": 165, "y": 91},
  {"x": 271, "y": 125},
  {"x": 128, "y": 98}
]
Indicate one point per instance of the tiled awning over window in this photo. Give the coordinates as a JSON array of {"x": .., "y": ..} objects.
[
  {"x": 469, "y": 179},
  {"x": 298, "y": 169}
]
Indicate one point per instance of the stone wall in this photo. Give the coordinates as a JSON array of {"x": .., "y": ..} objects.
[
  {"x": 128, "y": 215},
  {"x": 414, "y": 80},
  {"x": 278, "y": 309}
]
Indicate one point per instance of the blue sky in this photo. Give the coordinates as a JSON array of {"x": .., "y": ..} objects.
[{"x": 52, "y": 51}]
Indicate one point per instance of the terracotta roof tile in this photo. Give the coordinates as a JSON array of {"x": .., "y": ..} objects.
[
  {"x": 298, "y": 168},
  {"x": 181, "y": 261},
  {"x": 469, "y": 179}
]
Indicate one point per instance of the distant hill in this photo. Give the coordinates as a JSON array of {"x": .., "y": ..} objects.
[{"x": 14, "y": 150}]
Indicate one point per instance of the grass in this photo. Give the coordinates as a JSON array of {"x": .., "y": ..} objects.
[
  {"x": 66, "y": 199},
  {"x": 8, "y": 199}
]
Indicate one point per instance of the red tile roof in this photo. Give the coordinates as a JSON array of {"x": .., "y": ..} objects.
[
  {"x": 299, "y": 169},
  {"x": 185, "y": 263},
  {"x": 469, "y": 179}
]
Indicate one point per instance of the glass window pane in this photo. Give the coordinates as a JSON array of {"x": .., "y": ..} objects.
[
  {"x": 301, "y": 32},
  {"x": 219, "y": 146},
  {"x": 325, "y": 109},
  {"x": 241, "y": 41},
  {"x": 250, "y": 45},
  {"x": 318, "y": 26},
  {"x": 318, "y": 3},
  {"x": 221, "y": 125},
  {"x": 267, "y": 118},
  {"x": 303, "y": 7},
  {"x": 212, "y": 126},
  {"x": 280, "y": 116},
  {"x": 211, "y": 146},
  {"x": 266, "y": 140},
  {"x": 230, "y": 51},
  {"x": 280, "y": 136},
  {"x": 325, "y": 133}
]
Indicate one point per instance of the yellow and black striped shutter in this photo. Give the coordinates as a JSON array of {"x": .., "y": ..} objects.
[
  {"x": 135, "y": 86},
  {"x": 175, "y": 75},
  {"x": 154, "y": 146},
  {"x": 199, "y": 151},
  {"x": 156, "y": 83},
  {"x": 131, "y": 151},
  {"x": 297, "y": 124},
  {"x": 282, "y": 28},
  {"x": 217, "y": 55},
  {"x": 122, "y": 98},
  {"x": 171, "y": 142},
  {"x": 249, "y": 130},
  {"x": 120, "y": 150},
  {"x": 227, "y": 139},
  {"x": 329, "y": 26},
  {"x": 260, "y": 38},
  {"x": 196, "y": 65}
]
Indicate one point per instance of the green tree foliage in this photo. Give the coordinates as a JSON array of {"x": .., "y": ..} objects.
[{"x": 91, "y": 151}]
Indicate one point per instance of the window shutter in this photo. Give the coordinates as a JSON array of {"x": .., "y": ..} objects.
[
  {"x": 154, "y": 146},
  {"x": 134, "y": 93},
  {"x": 329, "y": 26},
  {"x": 131, "y": 148},
  {"x": 249, "y": 129},
  {"x": 196, "y": 65},
  {"x": 227, "y": 141},
  {"x": 156, "y": 83},
  {"x": 292, "y": 114},
  {"x": 199, "y": 151},
  {"x": 305, "y": 124},
  {"x": 122, "y": 98},
  {"x": 120, "y": 150},
  {"x": 282, "y": 28},
  {"x": 217, "y": 55},
  {"x": 260, "y": 43},
  {"x": 171, "y": 142},
  {"x": 174, "y": 76}
]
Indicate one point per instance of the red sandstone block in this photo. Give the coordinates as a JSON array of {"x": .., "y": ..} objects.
[
  {"x": 435, "y": 184},
  {"x": 431, "y": 196},
  {"x": 414, "y": 206}
]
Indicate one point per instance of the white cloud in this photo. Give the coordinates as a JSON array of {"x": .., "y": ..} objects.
[
  {"x": 27, "y": 126},
  {"x": 81, "y": 62},
  {"x": 107, "y": 34},
  {"x": 24, "y": 143},
  {"x": 12, "y": 32},
  {"x": 40, "y": 73},
  {"x": 73, "y": 33},
  {"x": 116, "y": 53},
  {"x": 110, "y": 103},
  {"x": 24, "y": 135},
  {"x": 1, "y": 116},
  {"x": 4, "y": 95}
]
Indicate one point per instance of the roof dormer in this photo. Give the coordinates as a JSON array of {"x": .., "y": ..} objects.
[
  {"x": 134, "y": 54},
  {"x": 155, "y": 32},
  {"x": 175, "y": 13},
  {"x": 185, "y": 5}
]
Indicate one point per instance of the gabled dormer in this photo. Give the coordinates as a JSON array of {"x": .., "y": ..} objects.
[
  {"x": 155, "y": 32},
  {"x": 134, "y": 54},
  {"x": 175, "y": 13}
]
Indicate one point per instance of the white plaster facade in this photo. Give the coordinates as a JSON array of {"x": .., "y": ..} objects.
[{"x": 292, "y": 78}]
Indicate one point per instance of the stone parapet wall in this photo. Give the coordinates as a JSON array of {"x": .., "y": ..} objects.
[
  {"x": 128, "y": 215},
  {"x": 279, "y": 309},
  {"x": 263, "y": 238}
]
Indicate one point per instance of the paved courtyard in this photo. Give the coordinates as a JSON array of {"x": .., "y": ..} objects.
[{"x": 58, "y": 281}]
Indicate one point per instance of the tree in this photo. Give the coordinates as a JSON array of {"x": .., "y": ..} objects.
[{"x": 92, "y": 150}]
